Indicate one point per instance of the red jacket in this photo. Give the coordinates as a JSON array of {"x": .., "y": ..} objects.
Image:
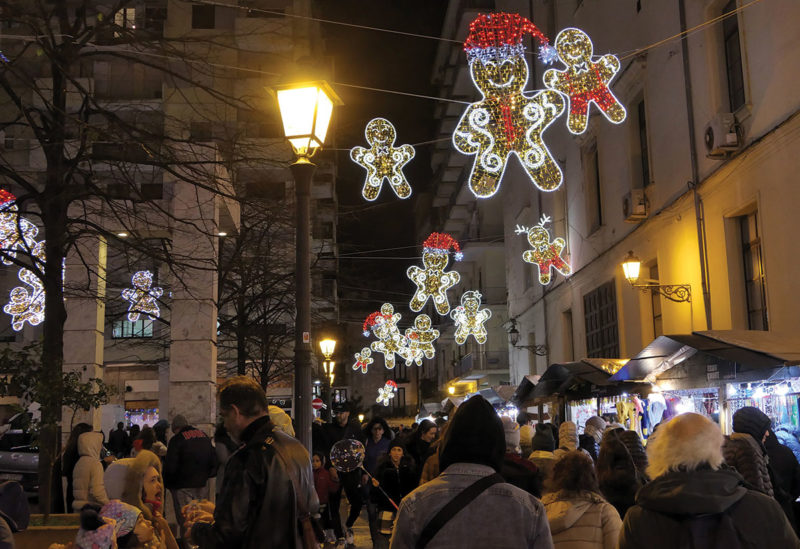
[{"x": 324, "y": 485}]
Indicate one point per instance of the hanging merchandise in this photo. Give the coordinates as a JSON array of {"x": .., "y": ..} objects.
[
  {"x": 383, "y": 325},
  {"x": 420, "y": 340},
  {"x": 470, "y": 318},
  {"x": 16, "y": 232},
  {"x": 432, "y": 281},
  {"x": 383, "y": 160},
  {"x": 584, "y": 81},
  {"x": 363, "y": 360},
  {"x": 386, "y": 392},
  {"x": 545, "y": 254},
  {"x": 506, "y": 121},
  {"x": 143, "y": 296}
]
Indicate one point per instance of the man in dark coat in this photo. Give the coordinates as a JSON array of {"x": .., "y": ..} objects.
[
  {"x": 695, "y": 501},
  {"x": 257, "y": 504},
  {"x": 785, "y": 476},
  {"x": 191, "y": 460},
  {"x": 119, "y": 441}
]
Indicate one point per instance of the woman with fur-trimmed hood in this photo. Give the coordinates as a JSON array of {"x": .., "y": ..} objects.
[
  {"x": 144, "y": 489},
  {"x": 695, "y": 501}
]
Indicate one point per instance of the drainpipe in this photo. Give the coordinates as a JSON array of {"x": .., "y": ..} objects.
[{"x": 698, "y": 204}]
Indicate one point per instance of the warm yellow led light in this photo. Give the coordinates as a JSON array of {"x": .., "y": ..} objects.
[
  {"x": 363, "y": 360},
  {"x": 143, "y": 297},
  {"x": 545, "y": 254},
  {"x": 470, "y": 318},
  {"x": 383, "y": 160}
]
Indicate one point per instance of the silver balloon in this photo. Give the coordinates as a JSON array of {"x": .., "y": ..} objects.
[{"x": 347, "y": 455}]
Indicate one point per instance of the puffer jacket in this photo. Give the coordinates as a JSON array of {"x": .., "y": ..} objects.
[
  {"x": 87, "y": 477},
  {"x": 704, "y": 508},
  {"x": 582, "y": 521},
  {"x": 567, "y": 439},
  {"x": 746, "y": 455},
  {"x": 544, "y": 461},
  {"x": 256, "y": 508}
]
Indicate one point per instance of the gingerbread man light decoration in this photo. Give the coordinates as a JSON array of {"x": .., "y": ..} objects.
[
  {"x": 506, "y": 121},
  {"x": 383, "y": 160},
  {"x": 383, "y": 325},
  {"x": 584, "y": 81},
  {"x": 420, "y": 340},
  {"x": 16, "y": 232},
  {"x": 143, "y": 296},
  {"x": 386, "y": 392},
  {"x": 545, "y": 254},
  {"x": 470, "y": 318},
  {"x": 363, "y": 360},
  {"x": 432, "y": 281}
]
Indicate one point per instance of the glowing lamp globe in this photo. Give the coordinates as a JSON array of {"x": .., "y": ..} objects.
[
  {"x": 327, "y": 346},
  {"x": 306, "y": 113},
  {"x": 630, "y": 267}
]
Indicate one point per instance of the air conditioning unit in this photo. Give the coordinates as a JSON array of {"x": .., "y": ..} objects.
[
  {"x": 634, "y": 206},
  {"x": 720, "y": 136}
]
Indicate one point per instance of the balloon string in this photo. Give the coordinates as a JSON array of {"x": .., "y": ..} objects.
[{"x": 381, "y": 489}]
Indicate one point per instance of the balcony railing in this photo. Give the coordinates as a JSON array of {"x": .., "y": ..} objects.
[{"x": 479, "y": 361}]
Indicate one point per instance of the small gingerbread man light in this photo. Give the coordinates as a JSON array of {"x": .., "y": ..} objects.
[
  {"x": 584, "y": 81},
  {"x": 469, "y": 318},
  {"x": 383, "y": 160},
  {"x": 386, "y": 392},
  {"x": 383, "y": 325},
  {"x": 142, "y": 296},
  {"x": 363, "y": 360},
  {"x": 546, "y": 254},
  {"x": 506, "y": 121},
  {"x": 421, "y": 336},
  {"x": 432, "y": 281}
]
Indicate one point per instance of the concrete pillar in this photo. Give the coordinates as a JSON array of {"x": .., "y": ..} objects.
[
  {"x": 84, "y": 291},
  {"x": 193, "y": 349}
]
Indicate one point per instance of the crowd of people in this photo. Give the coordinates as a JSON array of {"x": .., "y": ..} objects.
[{"x": 477, "y": 480}]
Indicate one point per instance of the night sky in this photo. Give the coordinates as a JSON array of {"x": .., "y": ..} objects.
[{"x": 387, "y": 61}]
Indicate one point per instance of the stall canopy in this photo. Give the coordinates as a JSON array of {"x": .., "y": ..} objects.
[
  {"x": 429, "y": 408},
  {"x": 558, "y": 378},
  {"x": 748, "y": 349},
  {"x": 523, "y": 395}
]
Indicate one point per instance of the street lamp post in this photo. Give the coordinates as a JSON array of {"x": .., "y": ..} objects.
[
  {"x": 327, "y": 347},
  {"x": 306, "y": 110},
  {"x": 679, "y": 293}
]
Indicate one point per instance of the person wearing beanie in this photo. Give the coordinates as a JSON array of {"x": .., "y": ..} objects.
[
  {"x": 744, "y": 449},
  {"x": 516, "y": 470},
  {"x": 525, "y": 433},
  {"x": 592, "y": 435},
  {"x": 496, "y": 515},
  {"x": 394, "y": 478},
  {"x": 542, "y": 456}
]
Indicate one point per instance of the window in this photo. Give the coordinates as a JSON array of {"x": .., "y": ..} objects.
[
  {"x": 643, "y": 149},
  {"x": 754, "y": 283},
  {"x": 600, "y": 312},
  {"x": 594, "y": 206},
  {"x": 339, "y": 396},
  {"x": 123, "y": 329},
  {"x": 203, "y": 17},
  {"x": 733, "y": 57},
  {"x": 399, "y": 399},
  {"x": 400, "y": 371},
  {"x": 200, "y": 131},
  {"x": 125, "y": 18},
  {"x": 154, "y": 17},
  {"x": 655, "y": 302}
]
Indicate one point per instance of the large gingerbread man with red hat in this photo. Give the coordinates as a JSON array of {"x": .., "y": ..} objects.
[
  {"x": 584, "y": 81},
  {"x": 432, "y": 280},
  {"x": 506, "y": 121}
]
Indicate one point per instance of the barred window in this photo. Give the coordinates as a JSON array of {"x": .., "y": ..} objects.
[{"x": 600, "y": 312}]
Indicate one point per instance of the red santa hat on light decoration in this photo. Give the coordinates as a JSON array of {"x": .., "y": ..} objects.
[
  {"x": 391, "y": 384},
  {"x": 498, "y": 36},
  {"x": 371, "y": 320},
  {"x": 440, "y": 243},
  {"x": 6, "y": 198}
]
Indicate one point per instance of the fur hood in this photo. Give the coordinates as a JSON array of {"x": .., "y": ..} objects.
[{"x": 132, "y": 492}]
